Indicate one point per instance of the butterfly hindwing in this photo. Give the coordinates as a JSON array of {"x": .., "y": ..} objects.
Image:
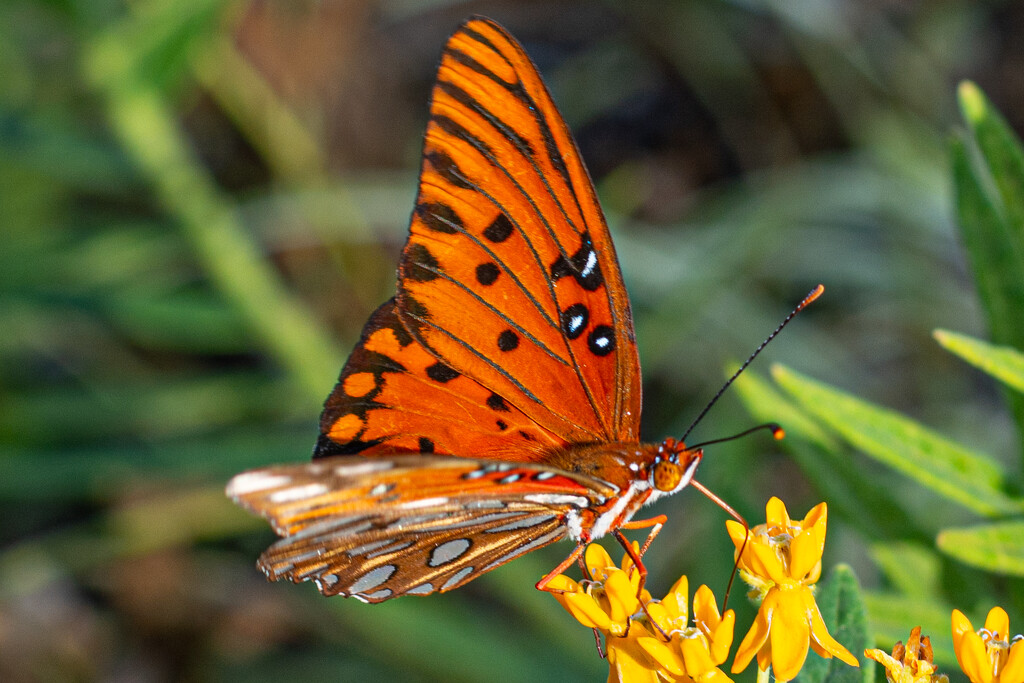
[
  {"x": 382, "y": 527},
  {"x": 509, "y": 274}
]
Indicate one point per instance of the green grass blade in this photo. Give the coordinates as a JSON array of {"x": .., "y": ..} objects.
[
  {"x": 988, "y": 176},
  {"x": 838, "y": 479},
  {"x": 1002, "y": 362},
  {"x": 996, "y": 548},
  {"x": 966, "y": 477}
]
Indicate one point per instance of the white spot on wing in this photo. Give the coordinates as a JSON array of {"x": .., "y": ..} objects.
[
  {"x": 591, "y": 262},
  {"x": 361, "y": 468},
  {"x": 422, "y": 589},
  {"x": 557, "y": 499},
  {"x": 372, "y": 579},
  {"x": 298, "y": 493},
  {"x": 457, "y": 577},
  {"x": 446, "y": 552},
  {"x": 424, "y": 503},
  {"x": 260, "y": 480}
]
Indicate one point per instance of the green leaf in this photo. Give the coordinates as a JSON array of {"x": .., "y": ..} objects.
[
  {"x": 826, "y": 463},
  {"x": 841, "y": 606},
  {"x": 988, "y": 175},
  {"x": 966, "y": 477},
  {"x": 996, "y": 548},
  {"x": 1002, "y": 362}
]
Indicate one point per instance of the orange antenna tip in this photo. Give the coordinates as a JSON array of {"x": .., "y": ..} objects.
[
  {"x": 810, "y": 298},
  {"x": 779, "y": 433}
]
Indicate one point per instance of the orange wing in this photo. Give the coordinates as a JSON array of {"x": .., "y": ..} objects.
[{"x": 509, "y": 282}]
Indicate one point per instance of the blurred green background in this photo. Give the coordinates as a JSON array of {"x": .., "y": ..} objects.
[{"x": 201, "y": 203}]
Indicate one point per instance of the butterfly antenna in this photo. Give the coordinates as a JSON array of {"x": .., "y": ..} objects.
[{"x": 814, "y": 294}]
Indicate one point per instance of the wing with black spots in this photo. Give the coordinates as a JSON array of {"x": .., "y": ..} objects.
[
  {"x": 509, "y": 276},
  {"x": 377, "y": 528},
  {"x": 395, "y": 396}
]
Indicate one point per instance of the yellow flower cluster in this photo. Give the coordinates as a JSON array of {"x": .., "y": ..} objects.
[
  {"x": 781, "y": 560},
  {"x": 650, "y": 640},
  {"x": 664, "y": 640}
]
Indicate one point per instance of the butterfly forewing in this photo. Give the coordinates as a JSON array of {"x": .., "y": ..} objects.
[
  {"x": 383, "y": 527},
  {"x": 509, "y": 274}
]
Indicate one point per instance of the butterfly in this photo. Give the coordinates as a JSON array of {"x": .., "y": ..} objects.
[{"x": 492, "y": 407}]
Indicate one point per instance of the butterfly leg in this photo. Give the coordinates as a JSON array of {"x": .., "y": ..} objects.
[
  {"x": 542, "y": 585},
  {"x": 655, "y": 524}
]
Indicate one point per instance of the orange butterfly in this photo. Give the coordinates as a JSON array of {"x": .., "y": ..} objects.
[{"x": 493, "y": 406}]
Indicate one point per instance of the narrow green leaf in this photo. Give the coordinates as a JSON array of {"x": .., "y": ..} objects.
[
  {"x": 988, "y": 175},
  {"x": 838, "y": 479},
  {"x": 843, "y": 610},
  {"x": 1002, "y": 362},
  {"x": 1001, "y": 150},
  {"x": 969, "y": 478},
  {"x": 993, "y": 547}
]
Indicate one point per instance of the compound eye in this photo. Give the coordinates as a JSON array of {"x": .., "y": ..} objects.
[{"x": 666, "y": 476}]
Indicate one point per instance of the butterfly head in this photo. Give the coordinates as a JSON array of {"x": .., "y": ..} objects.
[{"x": 674, "y": 465}]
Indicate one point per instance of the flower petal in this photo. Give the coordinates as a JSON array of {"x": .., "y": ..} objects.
[
  {"x": 667, "y": 657},
  {"x": 973, "y": 658},
  {"x": 598, "y": 561},
  {"x": 776, "y": 514},
  {"x": 705, "y": 609},
  {"x": 998, "y": 622},
  {"x": 830, "y": 647},
  {"x": 696, "y": 657},
  {"x": 1013, "y": 668},
  {"x": 721, "y": 638},
  {"x": 764, "y": 561},
  {"x": 790, "y": 633},
  {"x": 586, "y": 610},
  {"x": 805, "y": 551},
  {"x": 756, "y": 636},
  {"x": 621, "y": 594},
  {"x": 627, "y": 663}
]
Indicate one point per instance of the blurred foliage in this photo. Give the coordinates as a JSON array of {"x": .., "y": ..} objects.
[{"x": 202, "y": 202}]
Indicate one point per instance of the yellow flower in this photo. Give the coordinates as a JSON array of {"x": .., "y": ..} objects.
[
  {"x": 637, "y": 649},
  {"x": 912, "y": 663},
  {"x": 692, "y": 653},
  {"x": 782, "y": 561},
  {"x": 989, "y": 655},
  {"x": 609, "y": 600}
]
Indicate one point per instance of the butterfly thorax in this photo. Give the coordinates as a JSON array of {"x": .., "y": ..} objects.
[{"x": 640, "y": 473}]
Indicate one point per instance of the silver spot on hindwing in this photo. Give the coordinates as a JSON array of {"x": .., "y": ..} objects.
[
  {"x": 446, "y": 552},
  {"x": 422, "y": 589},
  {"x": 372, "y": 578},
  {"x": 457, "y": 577}
]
